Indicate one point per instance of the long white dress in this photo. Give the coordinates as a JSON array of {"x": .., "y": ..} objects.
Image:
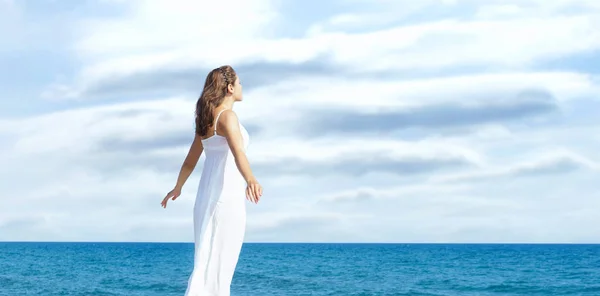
[{"x": 219, "y": 219}]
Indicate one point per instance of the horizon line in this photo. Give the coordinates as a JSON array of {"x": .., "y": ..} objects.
[{"x": 316, "y": 243}]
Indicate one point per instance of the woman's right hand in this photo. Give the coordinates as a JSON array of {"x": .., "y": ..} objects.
[
  {"x": 253, "y": 190},
  {"x": 173, "y": 194}
]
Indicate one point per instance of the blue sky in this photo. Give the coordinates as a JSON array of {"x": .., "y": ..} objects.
[{"x": 370, "y": 121}]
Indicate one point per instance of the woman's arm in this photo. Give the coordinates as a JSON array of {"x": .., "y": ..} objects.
[
  {"x": 229, "y": 125},
  {"x": 190, "y": 162},
  {"x": 186, "y": 169}
]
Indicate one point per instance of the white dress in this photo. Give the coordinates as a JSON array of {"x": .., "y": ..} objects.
[{"x": 219, "y": 218}]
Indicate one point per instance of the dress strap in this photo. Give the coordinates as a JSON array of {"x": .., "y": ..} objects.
[{"x": 217, "y": 120}]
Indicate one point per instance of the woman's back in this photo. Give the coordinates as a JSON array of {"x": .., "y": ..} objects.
[{"x": 216, "y": 142}]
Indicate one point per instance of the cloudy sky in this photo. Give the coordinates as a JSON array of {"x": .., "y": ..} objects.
[{"x": 370, "y": 120}]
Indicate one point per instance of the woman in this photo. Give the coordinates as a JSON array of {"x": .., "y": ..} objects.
[{"x": 219, "y": 210}]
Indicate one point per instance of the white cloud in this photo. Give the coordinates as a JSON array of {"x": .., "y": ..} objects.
[
  {"x": 514, "y": 43},
  {"x": 155, "y": 26},
  {"x": 554, "y": 162},
  {"x": 453, "y": 43}
]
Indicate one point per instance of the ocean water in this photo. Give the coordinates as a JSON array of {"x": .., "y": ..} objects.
[{"x": 150, "y": 269}]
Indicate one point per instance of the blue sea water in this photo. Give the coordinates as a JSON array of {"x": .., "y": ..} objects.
[{"x": 305, "y": 269}]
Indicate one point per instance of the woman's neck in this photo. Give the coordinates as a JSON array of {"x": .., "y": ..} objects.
[{"x": 227, "y": 103}]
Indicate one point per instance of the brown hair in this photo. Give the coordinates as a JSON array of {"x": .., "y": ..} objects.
[{"x": 215, "y": 90}]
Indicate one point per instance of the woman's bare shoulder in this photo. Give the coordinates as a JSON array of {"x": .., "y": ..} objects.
[{"x": 228, "y": 119}]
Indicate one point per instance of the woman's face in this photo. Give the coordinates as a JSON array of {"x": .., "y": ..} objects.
[{"x": 237, "y": 89}]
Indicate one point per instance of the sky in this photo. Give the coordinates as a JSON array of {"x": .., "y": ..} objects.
[{"x": 432, "y": 121}]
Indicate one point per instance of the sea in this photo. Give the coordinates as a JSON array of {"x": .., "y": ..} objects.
[{"x": 148, "y": 269}]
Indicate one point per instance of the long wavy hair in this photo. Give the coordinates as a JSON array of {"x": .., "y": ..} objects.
[{"x": 213, "y": 94}]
